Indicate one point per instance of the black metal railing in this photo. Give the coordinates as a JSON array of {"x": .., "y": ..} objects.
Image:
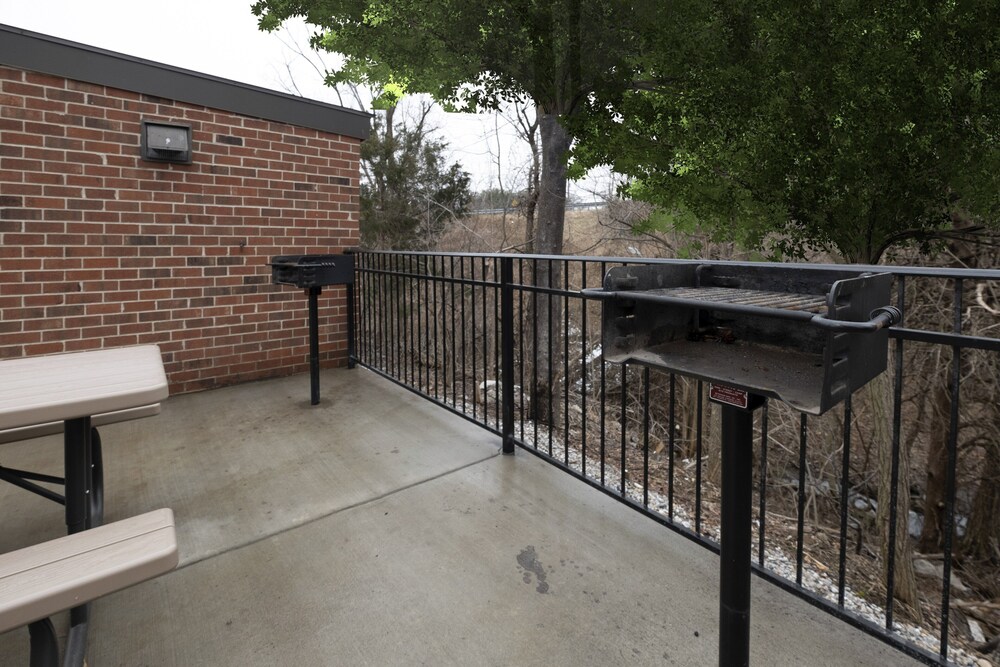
[{"x": 474, "y": 334}]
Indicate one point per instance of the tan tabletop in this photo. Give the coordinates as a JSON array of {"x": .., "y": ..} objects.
[{"x": 35, "y": 390}]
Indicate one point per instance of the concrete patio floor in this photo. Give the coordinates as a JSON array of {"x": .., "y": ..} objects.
[{"x": 378, "y": 529}]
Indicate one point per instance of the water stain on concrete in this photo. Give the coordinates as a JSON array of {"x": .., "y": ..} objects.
[{"x": 528, "y": 562}]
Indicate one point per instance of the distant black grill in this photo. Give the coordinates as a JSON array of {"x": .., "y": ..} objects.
[{"x": 312, "y": 270}]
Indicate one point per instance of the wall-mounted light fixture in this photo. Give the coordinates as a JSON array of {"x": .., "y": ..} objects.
[{"x": 166, "y": 142}]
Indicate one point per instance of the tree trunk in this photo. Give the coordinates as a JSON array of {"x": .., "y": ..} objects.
[
  {"x": 877, "y": 397},
  {"x": 529, "y": 130},
  {"x": 937, "y": 468},
  {"x": 551, "y": 215},
  {"x": 982, "y": 539}
]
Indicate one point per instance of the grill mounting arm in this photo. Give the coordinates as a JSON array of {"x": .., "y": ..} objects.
[{"x": 880, "y": 318}]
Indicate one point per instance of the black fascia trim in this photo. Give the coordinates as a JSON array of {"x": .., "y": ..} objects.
[{"x": 34, "y": 51}]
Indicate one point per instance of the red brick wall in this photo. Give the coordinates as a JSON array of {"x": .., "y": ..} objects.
[{"x": 99, "y": 248}]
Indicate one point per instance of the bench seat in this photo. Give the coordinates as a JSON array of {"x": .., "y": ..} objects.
[
  {"x": 52, "y": 428},
  {"x": 47, "y": 578}
]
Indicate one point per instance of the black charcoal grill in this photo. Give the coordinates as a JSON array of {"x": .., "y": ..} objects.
[
  {"x": 314, "y": 272},
  {"x": 807, "y": 336}
]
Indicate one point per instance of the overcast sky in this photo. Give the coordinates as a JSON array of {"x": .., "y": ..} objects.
[{"x": 220, "y": 37}]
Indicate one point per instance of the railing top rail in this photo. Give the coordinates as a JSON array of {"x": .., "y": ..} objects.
[{"x": 916, "y": 271}]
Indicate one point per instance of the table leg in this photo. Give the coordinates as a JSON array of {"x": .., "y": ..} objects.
[
  {"x": 78, "y": 472},
  {"x": 79, "y": 481},
  {"x": 96, "y": 479}
]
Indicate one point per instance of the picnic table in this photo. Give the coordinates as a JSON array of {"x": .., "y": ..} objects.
[{"x": 72, "y": 388}]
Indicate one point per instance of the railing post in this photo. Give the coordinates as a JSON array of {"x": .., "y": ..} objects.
[{"x": 507, "y": 350}]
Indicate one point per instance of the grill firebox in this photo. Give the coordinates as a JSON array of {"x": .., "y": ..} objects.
[
  {"x": 312, "y": 270},
  {"x": 809, "y": 337}
]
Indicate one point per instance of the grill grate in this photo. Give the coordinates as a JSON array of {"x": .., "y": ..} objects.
[{"x": 809, "y": 303}]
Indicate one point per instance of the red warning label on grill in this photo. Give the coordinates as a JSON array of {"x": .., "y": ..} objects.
[{"x": 728, "y": 395}]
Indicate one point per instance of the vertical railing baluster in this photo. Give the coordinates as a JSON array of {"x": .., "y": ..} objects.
[
  {"x": 382, "y": 308},
  {"x": 671, "y": 443},
  {"x": 454, "y": 334},
  {"x": 604, "y": 396},
  {"x": 425, "y": 326},
  {"x": 845, "y": 485},
  {"x": 486, "y": 344},
  {"x": 949, "y": 512},
  {"x": 418, "y": 330},
  {"x": 801, "y": 514},
  {"x": 389, "y": 314},
  {"x": 432, "y": 333},
  {"x": 400, "y": 320},
  {"x": 475, "y": 356},
  {"x": 428, "y": 328},
  {"x": 645, "y": 436},
  {"x": 762, "y": 498},
  {"x": 565, "y": 309},
  {"x": 697, "y": 456},
  {"x": 624, "y": 426},
  {"x": 534, "y": 348},
  {"x": 583, "y": 371},
  {"x": 465, "y": 376},
  {"x": 390, "y": 319}
]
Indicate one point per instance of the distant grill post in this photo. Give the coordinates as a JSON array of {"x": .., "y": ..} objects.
[
  {"x": 807, "y": 336},
  {"x": 313, "y": 272}
]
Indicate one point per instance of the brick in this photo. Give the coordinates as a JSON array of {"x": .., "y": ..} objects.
[
  {"x": 64, "y": 95},
  {"x": 154, "y": 241}
]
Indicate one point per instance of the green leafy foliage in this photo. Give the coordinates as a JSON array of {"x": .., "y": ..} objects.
[
  {"x": 408, "y": 190},
  {"x": 820, "y": 125},
  {"x": 468, "y": 55}
]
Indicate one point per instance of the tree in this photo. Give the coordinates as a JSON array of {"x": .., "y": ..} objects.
[
  {"x": 407, "y": 190},
  {"x": 836, "y": 126},
  {"x": 474, "y": 56}
]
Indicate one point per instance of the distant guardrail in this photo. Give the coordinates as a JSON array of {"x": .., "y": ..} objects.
[{"x": 575, "y": 206}]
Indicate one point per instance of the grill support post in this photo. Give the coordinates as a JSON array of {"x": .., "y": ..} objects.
[
  {"x": 314, "y": 293},
  {"x": 735, "y": 548}
]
